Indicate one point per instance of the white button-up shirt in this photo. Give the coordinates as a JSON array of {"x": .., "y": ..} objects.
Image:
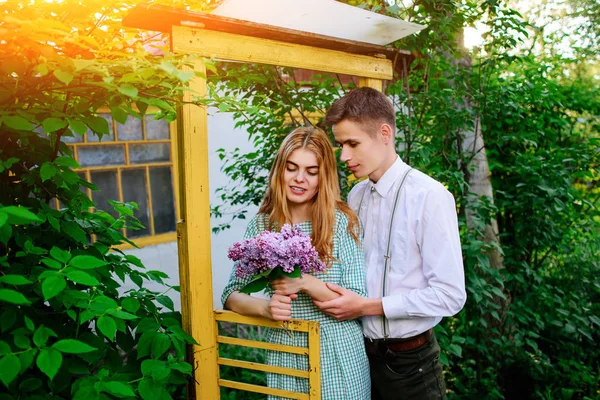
[{"x": 425, "y": 280}]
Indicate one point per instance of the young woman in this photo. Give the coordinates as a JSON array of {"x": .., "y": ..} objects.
[{"x": 304, "y": 191}]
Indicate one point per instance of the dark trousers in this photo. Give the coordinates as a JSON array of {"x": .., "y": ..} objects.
[{"x": 411, "y": 375}]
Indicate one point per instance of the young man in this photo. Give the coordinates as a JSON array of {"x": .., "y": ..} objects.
[{"x": 412, "y": 248}]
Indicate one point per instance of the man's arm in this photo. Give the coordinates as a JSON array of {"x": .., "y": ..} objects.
[
  {"x": 439, "y": 242},
  {"x": 349, "y": 305}
]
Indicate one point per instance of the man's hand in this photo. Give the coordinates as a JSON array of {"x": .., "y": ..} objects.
[
  {"x": 279, "y": 307},
  {"x": 287, "y": 286},
  {"x": 347, "y": 306}
]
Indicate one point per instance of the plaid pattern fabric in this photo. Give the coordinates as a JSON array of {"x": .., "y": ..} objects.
[{"x": 344, "y": 364}]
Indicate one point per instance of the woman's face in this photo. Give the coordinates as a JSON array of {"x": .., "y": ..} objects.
[{"x": 301, "y": 176}]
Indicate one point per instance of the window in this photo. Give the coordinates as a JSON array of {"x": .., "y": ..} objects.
[{"x": 133, "y": 163}]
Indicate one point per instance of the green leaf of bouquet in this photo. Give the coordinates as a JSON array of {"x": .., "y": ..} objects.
[
  {"x": 14, "y": 297},
  {"x": 49, "y": 361},
  {"x": 73, "y": 346},
  {"x": 15, "y": 280},
  {"x": 86, "y": 262},
  {"x": 52, "y": 286},
  {"x": 255, "y": 285},
  {"x": 9, "y": 368},
  {"x": 294, "y": 274},
  {"x": 107, "y": 326}
]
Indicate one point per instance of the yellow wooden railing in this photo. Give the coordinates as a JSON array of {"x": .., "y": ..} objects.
[{"x": 313, "y": 352}]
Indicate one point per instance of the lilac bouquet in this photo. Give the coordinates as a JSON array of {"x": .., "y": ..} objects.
[{"x": 271, "y": 255}]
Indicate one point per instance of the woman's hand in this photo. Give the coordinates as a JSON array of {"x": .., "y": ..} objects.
[
  {"x": 279, "y": 308},
  {"x": 287, "y": 286}
]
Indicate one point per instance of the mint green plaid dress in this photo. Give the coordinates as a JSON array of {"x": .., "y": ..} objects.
[{"x": 344, "y": 364}]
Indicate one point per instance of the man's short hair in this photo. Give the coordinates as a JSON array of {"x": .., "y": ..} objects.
[{"x": 366, "y": 106}]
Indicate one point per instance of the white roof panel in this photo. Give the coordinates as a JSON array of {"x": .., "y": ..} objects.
[{"x": 323, "y": 17}]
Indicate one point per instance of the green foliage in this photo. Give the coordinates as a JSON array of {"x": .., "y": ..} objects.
[{"x": 67, "y": 329}]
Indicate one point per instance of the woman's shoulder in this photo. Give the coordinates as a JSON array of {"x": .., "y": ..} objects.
[
  {"x": 256, "y": 224},
  {"x": 341, "y": 220}
]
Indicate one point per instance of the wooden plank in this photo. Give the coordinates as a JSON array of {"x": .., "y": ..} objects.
[
  {"x": 314, "y": 361},
  {"x": 230, "y": 316},
  {"x": 262, "y": 367},
  {"x": 194, "y": 241},
  {"x": 229, "y": 46},
  {"x": 262, "y": 389},
  {"x": 376, "y": 84},
  {"x": 161, "y": 18},
  {"x": 256, "y": 344}
]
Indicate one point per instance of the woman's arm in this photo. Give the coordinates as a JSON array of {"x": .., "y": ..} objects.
[
  {"x": 279, "y": 308},
  {"x": 311, "y": 285}
]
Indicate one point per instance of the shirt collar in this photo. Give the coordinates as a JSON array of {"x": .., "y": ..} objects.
[{"x": 387, "y": 180}]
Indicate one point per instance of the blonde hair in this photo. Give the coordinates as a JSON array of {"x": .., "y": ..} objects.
[{"x": 327, "y": 200}]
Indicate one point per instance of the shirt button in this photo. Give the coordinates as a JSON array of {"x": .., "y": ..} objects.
[{"x": 372, "y": 188}]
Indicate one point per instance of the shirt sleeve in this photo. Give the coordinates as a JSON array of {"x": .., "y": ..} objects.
[
  {"x": 439, "y": 243},
  {"x": 234, "y": 282},
  {"x": 351, "y": 255}
]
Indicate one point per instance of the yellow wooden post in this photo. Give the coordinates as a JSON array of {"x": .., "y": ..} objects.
[
  {"x": 371, "y": 82},
  {"x": 193, "y": 235}
]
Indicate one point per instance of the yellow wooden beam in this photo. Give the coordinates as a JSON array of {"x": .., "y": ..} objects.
[
  {"x": 293, "y": 325},
  {"x": 256, "y": 344},
  {"x": 314, "y": 362},
  {"x": 194, "y": 232},
  {"x": 372, "y": 83},
  {"x": 232, "y": 47},
  {"x": 262, "y": 389},
  {"x": 263, "y": 367}
]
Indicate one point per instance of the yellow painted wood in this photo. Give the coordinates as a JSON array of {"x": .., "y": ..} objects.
[
  {"x": 314, "y": 362},
  {"x": 149, "y": 240},
  {"x": 194, "y": 240},
  {"x": 372, "y": 83},
  {"x": 262, "y": 367},
  {"x": 113, "y": 142},
  {"x": 256, "y": 344},
  {"x": 229, "y": 46},
  {"x": 262, "y": 389},
  {"x": 174, "y": 168},
  {"x": 230, "y": 316}
]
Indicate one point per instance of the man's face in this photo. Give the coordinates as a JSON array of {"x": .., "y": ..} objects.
[{"x": 362, "y": 152}]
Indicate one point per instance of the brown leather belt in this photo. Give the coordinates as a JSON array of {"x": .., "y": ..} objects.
[{"x": 380, "y": 346}]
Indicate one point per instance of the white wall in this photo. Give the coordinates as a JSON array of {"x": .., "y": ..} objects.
[{"x": 163, "y": 257}]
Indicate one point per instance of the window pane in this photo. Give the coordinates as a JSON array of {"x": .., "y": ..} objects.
[
  {"x": 72, "y": 139},
  {"x": 91, "y": 137},
  {"x": 163, "y": 205},
  {"x": 132, "y": 130},
  {"x": 154, "y": 152},
  {"x": 90, "y": 156},
  {"x": 156, "y": 129},
  {"x": 134, "y": 186},
  {"x": 106, "y": 181}
]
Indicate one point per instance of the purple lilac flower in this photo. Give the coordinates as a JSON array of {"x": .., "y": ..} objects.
[{"x": 287, "y": 250}]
